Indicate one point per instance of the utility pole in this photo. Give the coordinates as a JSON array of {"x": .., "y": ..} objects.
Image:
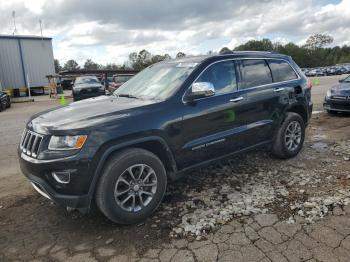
[
  {"x": 41, "y": 29},
  {"x": 14, "y": 22}
]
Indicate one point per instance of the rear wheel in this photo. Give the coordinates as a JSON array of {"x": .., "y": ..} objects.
[
  {"x": 132, "y": 186},
  {"x": 290, "y": 137}
]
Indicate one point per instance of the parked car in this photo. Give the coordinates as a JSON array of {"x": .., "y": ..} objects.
[
  {"x": 118, "y": 80},
  {"x": 121, "y": 151},
  {"x": 5, "y": 101},
  {"x": 66, "y": 83},
  {"x": 87, "y": 87},
  {"x": 338, "y": 97},
  {"x": 315, "y": 72}
]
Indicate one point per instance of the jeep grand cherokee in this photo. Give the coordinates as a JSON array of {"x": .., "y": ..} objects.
[{"x": 120, "y": 151}]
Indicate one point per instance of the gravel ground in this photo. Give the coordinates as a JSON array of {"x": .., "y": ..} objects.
[{"x": 248, "y": 208}]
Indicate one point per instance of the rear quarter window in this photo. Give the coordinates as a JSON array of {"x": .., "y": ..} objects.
[
  {"x": 254, "y": 72},
  {"x": 281, "y": 71}
]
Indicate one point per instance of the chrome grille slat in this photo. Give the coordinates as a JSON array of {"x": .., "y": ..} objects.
[
  {"x": 26, "y": 140},
  {"x": 30, "y": 144}
]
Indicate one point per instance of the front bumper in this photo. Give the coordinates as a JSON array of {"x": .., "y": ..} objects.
[
  {"x": 84, "y": 95},
  {"x": 39, "y": 172},
  {"x": 337, "y": 105}
]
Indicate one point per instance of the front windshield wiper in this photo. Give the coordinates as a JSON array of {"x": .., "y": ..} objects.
[{"x": 127, "y": 95}]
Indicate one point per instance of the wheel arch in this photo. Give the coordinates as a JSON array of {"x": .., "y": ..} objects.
[
  {"x": 154, "y": 144},
  {"x": 300, "y": 110}
]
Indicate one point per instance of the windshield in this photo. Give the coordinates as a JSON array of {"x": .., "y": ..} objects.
[
  {"x": 86, "y": 80},
  {"x": 158, "y": 81},
  {"x": 122, "y": 79}
]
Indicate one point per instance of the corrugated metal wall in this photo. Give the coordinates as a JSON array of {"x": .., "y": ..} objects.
[
  {"x": 37, "y": 57},
  {"x": 11, "y": 74},
  {"x": 38, "y": 60}
]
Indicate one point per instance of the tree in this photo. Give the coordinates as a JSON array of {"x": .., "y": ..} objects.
[
  {"x": 112, "y": 66},
  {"x": 58, "y": 67},
  {"x": 180, "y": 54},
  {"x": 318, "y": 41},
  {"x": 225, "y": 50},
  {"x": 256, "y": 45},
  {"x": 91, "y": 65},
  {"x": 71, "y": 65}
]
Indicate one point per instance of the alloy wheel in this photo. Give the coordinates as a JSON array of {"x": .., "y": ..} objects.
[
  {"x": 135, "y": 187},
  {"x": 292, "y": 137}
]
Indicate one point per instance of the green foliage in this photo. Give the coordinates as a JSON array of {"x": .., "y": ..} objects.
[
  {"x": 91, "y": 65},
  {"x": 180, "y": 54},
  {"x": 313, "y": 54},
  {"x": 58, "y": 67},
  {"x": 318, "y": 41},
  {"x": 225, "y": 50},
  {"x": 256, "y": 45},
  {"x": 144, "y": 59},
  {"x": 71, "y": 65}
]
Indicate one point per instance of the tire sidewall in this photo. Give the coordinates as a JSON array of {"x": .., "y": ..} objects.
[
  {"x": 288, "y": 120},
  {"x": 115, "y": 171}
]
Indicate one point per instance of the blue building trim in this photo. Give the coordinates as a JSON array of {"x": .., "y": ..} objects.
[{"x": 22, "y": 62}]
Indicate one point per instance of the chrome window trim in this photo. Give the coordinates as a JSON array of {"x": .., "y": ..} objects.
[{"x": 250, "y": 88}]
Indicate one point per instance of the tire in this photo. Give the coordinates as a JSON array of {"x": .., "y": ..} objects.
[
  {"x": 112, "y": 181},
  {"x": 2, "y": 106},
  {"x": 280, "y": 147}
]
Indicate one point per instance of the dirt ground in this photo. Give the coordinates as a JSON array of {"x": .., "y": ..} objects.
[{"x": 300, "y": 208}]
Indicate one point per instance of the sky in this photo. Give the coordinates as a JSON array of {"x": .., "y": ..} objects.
[{"x": 106, "y": 31}]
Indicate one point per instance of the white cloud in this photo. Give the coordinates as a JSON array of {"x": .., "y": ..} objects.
[{"x": 108, "y": 30}]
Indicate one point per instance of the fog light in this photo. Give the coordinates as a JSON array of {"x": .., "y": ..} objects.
[{"x": 62, "y": 177}]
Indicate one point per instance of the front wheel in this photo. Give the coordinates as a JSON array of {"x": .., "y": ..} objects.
[
  {"x": 132, "y": 186},
  {"x": 290, "y": 137}
]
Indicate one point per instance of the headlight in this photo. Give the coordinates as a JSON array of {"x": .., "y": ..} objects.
[
  {"x": 67, "y": 142},
  {"x": 329, "y": 93}
]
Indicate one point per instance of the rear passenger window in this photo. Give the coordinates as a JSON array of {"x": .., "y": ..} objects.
[
  {"x": 222, "y": 75},
  {"x": 254, "y": 72},
  {"x": 281, "y": 71}
]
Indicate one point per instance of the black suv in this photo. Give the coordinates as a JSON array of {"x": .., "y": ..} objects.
[{"x": 120, "y": 151}]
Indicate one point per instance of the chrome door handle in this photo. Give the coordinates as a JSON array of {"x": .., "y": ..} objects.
[
  {"x": 236, "y": 99},
  {"x": 278, "y": 89}
]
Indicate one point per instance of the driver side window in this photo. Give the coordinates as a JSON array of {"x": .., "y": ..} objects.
[{"x": 222, "y": 75}]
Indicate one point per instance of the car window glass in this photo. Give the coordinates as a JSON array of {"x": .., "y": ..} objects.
[
  {"x": 282, "y": 71},
  {"x": 222, "y": 75},
  {"x": 86, "y": 80},
  {"x": 254, "y": 72}
]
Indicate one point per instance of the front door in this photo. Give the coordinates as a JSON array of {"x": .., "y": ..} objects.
[{"x": 210, "y": 128}]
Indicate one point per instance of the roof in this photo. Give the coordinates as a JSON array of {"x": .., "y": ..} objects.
[
  {"x": 31, "y": 37},
  {"x": 234, "y": 54}
]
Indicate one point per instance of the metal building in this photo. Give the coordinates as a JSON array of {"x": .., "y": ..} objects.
[{"x": 25, "y": 60}]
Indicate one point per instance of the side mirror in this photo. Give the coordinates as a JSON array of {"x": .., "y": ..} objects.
[
  {"x": 200, "y": 90},
  {"x": 341, "y": 80}
]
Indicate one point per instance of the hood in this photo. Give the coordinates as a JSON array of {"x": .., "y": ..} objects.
[
  {"x": 342, "y": 89},
  {"x": 81, "y": 86},
  {"x": 87, "y": 113}
]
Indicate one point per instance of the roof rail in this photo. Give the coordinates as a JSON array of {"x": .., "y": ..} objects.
[{"x": 269, "y": 52}]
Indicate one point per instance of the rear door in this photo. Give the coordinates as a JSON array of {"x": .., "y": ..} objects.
[{"x": 263, "y": 101}]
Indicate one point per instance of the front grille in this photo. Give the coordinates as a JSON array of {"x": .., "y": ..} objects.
[
  {"x": 30, "y": 143},
  {"x": 340, "y": 106}
]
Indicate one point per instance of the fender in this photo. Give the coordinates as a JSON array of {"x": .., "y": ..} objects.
[{"x": 116, "y": 147}]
